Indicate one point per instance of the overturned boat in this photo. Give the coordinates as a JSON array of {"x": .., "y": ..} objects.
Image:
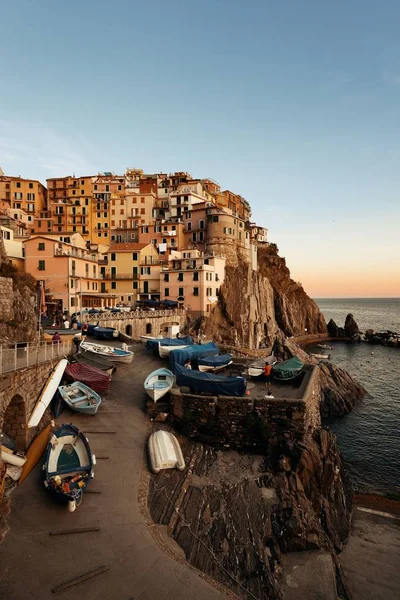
[
  {"x": 95, "y": 378},
  {"x": 165, "y": 452},
  {"x": 159, "y": 383},
  {"x": 256, "y": 368},
  {"x": 80, "y": 397}
]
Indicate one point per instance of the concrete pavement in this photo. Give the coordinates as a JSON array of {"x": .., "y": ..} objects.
[{"x": 32, "y": 562}]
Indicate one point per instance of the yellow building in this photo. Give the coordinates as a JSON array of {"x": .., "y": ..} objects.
[
  {"x": 28, "y": 195},
  {"x": 68, "y": 208},
  {"x": 108, "y": 194}
]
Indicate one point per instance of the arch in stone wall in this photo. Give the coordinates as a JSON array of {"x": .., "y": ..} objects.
[
  {"x": 128, "y": 330},
  {"x": 15, "y": 421},
  {"x": 148, "y": 328}
]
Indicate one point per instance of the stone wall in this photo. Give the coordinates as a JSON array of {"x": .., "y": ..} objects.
[
  {"x": 136, "y": 323},
  {"x": 18, "y": 321},
  {"x": 6, "y": 299},
  {"x": 246, "y": 423}
]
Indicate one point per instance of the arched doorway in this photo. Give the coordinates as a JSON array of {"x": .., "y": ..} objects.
[
  {"x": 128, "y": 330},
  {"x": 148, "y": 328},
  {"x": 14, "y": 424}
]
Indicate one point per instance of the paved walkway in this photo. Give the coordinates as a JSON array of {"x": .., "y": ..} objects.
[{"x": 32, "y": 562}]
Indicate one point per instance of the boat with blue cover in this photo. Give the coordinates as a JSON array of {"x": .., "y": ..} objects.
[
  {"x": 195, "y": 352},
  {"x": 288, "y": 369},
  {"x": 68, "y": 465},
  {"x": 153, "y": 344},
  {"x": 159, "y": 383},
  {"x": 80, "y": 397},
  {"x": 207, "y": 383},
  {"x": 106, "y": 333},
  {"x": 214, "y": 363}
]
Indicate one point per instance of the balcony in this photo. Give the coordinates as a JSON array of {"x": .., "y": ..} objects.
[{"x": 115, "y": 276}]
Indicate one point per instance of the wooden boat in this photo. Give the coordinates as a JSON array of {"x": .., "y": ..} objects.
[
  {"x": 165, "y": 452},
  {"x": 159, "y": 383},
  {"x": 47, "y": 393},
  {"x": 66, "y": 335},
  {"x": 35, "y": 452},
  {"x": 68, "y": 466},
  {"x": 96, "y": 361},
  {"x": 256, "y": 368},
  {"x": 288, "y": 369},
  {"x": 108, "y": 352},
  {"x": 95, "y": 378},
  {"x": 80, "y": 397},
  {"x": 145, "y": 338},
  {"x": 214, "y": 363},
  {"x": 9, "y": 457},
  {"x": 321, "y": 356},
  {"x": 106, "y": 333},
  {"x": 164, "y": 351},
  {"x": 325, "y": 346}
]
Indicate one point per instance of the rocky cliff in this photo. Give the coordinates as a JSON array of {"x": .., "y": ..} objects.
[
  {"x": 18, "y": 321},
  {"x": 254, "y": 305}
]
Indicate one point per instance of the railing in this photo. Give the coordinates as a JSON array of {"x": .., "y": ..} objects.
[
  {"x": 27, "y": 354},
  {"x": 133, "y": 314}
]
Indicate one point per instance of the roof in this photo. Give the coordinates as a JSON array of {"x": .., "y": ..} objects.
[{"x": 127, "y": 247}]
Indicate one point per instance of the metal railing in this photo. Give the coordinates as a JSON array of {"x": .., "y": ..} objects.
[
  {"x": 27, "y": 354},
  {"x": 133, "y": 314}
]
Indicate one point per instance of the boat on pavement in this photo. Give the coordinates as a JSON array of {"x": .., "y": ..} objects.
[
  {"x": 256, "y": 368},
  {"x": 145, "y": 338},
  {"x": 214, "y": 363},
  {"x": 80, "y": 397},
  {"x": 106, "y": 333},
  {"x": 165, "y": 452},
  {"x": 47, "y": 393},
  {"x": 66, "y": 335},
  {"x": 93, "y": 377},
  {"x": 208, "y": 383},
  {"x": 288, "y": 369},
  {"x": 164, "y": 351},
  {"x": 68, "y": 465},
  {"x": 159, "y": 383},
  {"x": 108, "y": 352},
  {"x": 96, "y": 361}
]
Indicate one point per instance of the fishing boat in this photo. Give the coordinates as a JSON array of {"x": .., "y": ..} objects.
[
  {"x": 47, "y": 393},
  {"x": 145, "y": 338},
  {"x": 164, "y": 351},
  {"x": 94, "y": 378},
  {"x": 80, "y": 397},
  {"x": 165, "y": 452},
  {"x": 321, "y": 356},
  {"x": 97, "y": 362},
  {"x": 158, "y": 383},
  {"x": 288, "y": 369},
  {"x": 68, "y": 466},
  {"x": 153, "y": 344},
  {"x": 214, "y": 363},
  {"x": 325, "y": 346},
  {"x": 106, "y": 333},
  {"x": 66, "y": 335},
  {"x": 108, "y": 352},
  {"x": 210, "y": 384},
  {"x": 256, "y": 368}
]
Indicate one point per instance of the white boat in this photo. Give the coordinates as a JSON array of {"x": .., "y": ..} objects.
[
  {"x": 165, "y": 452},
  {"x": 159, "y": 383},
  {"x": 144, "y": 338},
  {"x": 9, "y": 457},
  {"x": 214, "y": 363},
  {"x": 108, "y": 352},
  {"x": 325, "y": 346},
  {"x": 321, "y": 356},
  {"x": 47, "y": 393},
  {"x": 164, "y": 351},
  {"x": 256, "y": 368}
]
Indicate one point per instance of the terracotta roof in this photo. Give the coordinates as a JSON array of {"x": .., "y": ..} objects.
[{"x": 120, "y": 247}]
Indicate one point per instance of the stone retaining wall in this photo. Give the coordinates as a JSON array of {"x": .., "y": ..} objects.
[
  {"x": 246, "y": 423},
  {"x": 6, "y": 299},
  {"x": 136, "y": 323}
]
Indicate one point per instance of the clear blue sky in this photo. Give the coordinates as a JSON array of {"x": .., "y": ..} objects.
[{"x": 295, "y": 105}]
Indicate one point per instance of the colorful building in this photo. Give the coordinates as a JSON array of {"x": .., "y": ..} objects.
[
  {"x": 18, "y": 193},
  {"x": 14, "y": 247}
]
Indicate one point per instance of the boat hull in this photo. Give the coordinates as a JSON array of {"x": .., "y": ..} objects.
[
  {"x": 206, "y": 368},
  {"x": 165, "y": 452},
  {"x": 164, "y": 351},
  {"x": 113, "y": 355},
  {"x": 256, "y": 369},
  {"x": 65, "y": 337},
  {"x": 35, "y": 452},
  {"x": 80, "y": 398},
  {"x": 47, "y": 394},
  {"x": 159, "y": 383},
  {"x": 104, "y": 333}
]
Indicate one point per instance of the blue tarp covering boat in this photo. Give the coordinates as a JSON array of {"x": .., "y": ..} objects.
[
  {"x": 207, "y": 383},
  {"x": 184, "y": 341},
  {"x": 105, "y": 333},
  {"x": 179, "y": 357},
  {"x": 216, "y": 361}
]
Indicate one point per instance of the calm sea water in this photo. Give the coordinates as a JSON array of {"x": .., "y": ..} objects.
[{"x": 369, "y": 436}]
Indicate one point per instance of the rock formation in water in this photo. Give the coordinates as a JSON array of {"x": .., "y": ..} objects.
[
  {"x": 350, "y": 327},
  {"x": 239, "y": 513}
]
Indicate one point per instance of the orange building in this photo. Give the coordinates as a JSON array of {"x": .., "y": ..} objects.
[{"x": 18, "y": 193}]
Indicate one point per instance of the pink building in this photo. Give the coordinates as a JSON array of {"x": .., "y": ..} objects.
[{"x": 193, "y": 279}]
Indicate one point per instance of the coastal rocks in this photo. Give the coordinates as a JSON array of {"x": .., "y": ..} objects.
[
  {"x": 334, "y": 331},
  {"x": 350, "y": 327},
  {"x": 383, "y": 338},
  {"x": 238, "y": 512}
]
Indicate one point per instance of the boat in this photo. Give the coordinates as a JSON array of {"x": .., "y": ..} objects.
[
  {"x": 256, "y": 368},
  {"x": 9, "y": 457},
  {"x": 108, "y": 352},
  {"x": 288, "y": 369},
  {"x": 321, "y": 356},
  {"x": 210, "y": 384},
  {"x": 158, "y": 383},
  {"x": 214, "y": 363},
  {"x": 47, "y": 393},
  {"x": 80, "y": 397},
  {"x": 145, "y": 338},
  {"x": 66, "y": 335},
  {"x": 96, "y": 361},
  {"x": 94, "y": 378},
  {"x": 35, "y": 452},
  {"x": 325, "y": 346},
  {"x": 194, "y": 352},
  {"x": 106, "y": 333},
  {"x": 165, "y": 452},
  {"x": 164, "y": 351},
  {"x": 68, "y": 466},
  {"x": 153, "y": 344}
]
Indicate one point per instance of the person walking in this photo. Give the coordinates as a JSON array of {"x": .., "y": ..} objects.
[{"x": 267, "y": 376}]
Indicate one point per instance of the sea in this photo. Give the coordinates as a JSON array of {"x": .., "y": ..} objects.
[{"x": 369, "y": 436}]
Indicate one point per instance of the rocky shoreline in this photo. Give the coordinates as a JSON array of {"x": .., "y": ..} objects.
[{"x": 351, "y": 333}]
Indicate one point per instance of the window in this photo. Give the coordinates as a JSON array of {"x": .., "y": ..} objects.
[
  {"x": 31, "y": 186},
  {"x": 72, "y": 284},
  {"x": 166, "y": 292},
  {"x": 42, "y": 246},
  {"x": 201, "y": 224},
  {"x": 18, "y": 185},
  {"x": 18, "y": 195},
  {"x": 112, "y": 256},
  {"x": 180, "y": 277},
  {"x": 195, "y": 291},
  {"x": 142, "y": 200},
  {"x": 217, "y": 291},
  {"x": 215, "y": 218},
  {"x": 98, "y": 215},
  {"x": 105, "y": 234},
  {"x": 113, "y": 285},
  {"x": 73, "y": 192},
  {"x": 166, "y": 277},
  {"x": 180, "y": 291},
  {"x": 82, "y": 182},
  {"x": 82, "y": 192},
  {"x": 42, "y": 265},
  {"x": 134, "y": 255},
  {"x": 87, "y": 270},
  {"x": 120, "y": 187},
  {"x": 145, "y": 271},
  {"x": 86, "y": 201},
  {"x": 189, "y": 226},
  {"x": 135, "y": 285},
  {"x": 95, "y": 186},
  {"x": 142, "y": 211},
  {"x": 196, "y": 276},
  {"x": 30, "y": 196}
]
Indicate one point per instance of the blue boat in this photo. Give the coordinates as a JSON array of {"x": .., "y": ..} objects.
[
  {"x": 155, "y": 343},
  {"x": 106, "y": 333},
  {"x": 80, "y": 397},
  {"x": 214, "y": 363},
  {"x": 207, "y": 383},
  {"x": 68, "y": 466},
  {"x": 179, "y": 357}
]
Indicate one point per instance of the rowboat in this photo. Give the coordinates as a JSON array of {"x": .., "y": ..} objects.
[
  {"x": 80, "y": 397},
  {"x": 214, "y": 363},
  {"x": 321, "y": 356},
  {"x": 66, "y": 335},
  {"x": 164, "y": 351},
  {"x": 165, "y": 452},
  {"x": 106, "y": 333},
  {"x": 325, "y": 346},
  {"x": 47, "y": 393},
  {"x": 256, "y": 368},
  {"x": 96, "y": 361},
  {"x": 288, "y": 369},
  {"x": 145, "y": 338},
  {"x": 35, "y": 452},
  {"x": 159, "y": 383},
  {"x": 9, "y": 457},
  {"x": 108, "y": 352},
  {"x": 68, "y": 466}
]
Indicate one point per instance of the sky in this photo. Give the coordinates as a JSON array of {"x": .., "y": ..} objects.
[{"x": 294, "y": 105}]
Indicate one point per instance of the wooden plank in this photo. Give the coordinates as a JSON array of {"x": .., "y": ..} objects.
[
  {"x": 77, "y": 530},
  {"x": 79, "y": 579}
]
